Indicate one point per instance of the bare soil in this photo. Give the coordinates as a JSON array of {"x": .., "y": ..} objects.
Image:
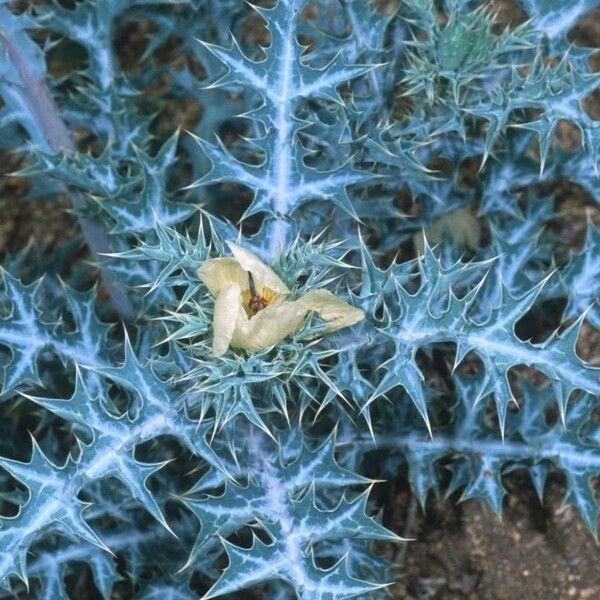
[{"x": 464, "y": 551}]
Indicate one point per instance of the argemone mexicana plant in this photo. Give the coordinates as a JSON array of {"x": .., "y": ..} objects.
[{"x": 204, "y": 414}]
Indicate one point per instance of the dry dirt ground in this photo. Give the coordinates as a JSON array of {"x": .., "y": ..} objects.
[{"x": 536, "y": 552}]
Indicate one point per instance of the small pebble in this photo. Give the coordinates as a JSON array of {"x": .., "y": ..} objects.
[{"x": 575, "y": 561}]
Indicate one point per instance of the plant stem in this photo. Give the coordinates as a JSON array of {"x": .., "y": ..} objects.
[
  {"x": 57, "y": 138},
  {"x": 409, "y": 523}
]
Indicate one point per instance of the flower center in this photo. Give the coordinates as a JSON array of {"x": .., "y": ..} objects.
[{"x": 257, "y": 303}]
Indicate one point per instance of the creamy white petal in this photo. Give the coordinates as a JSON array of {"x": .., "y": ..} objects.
[
  {"x": 268, "y": 326},
  {"x": 337, "y": 312},
  {"x": 218, "y": 274},
  {"x": 228, "y": 307},
  {"x": 463, "y": 224},
  {"x": 262, "y": 274}
]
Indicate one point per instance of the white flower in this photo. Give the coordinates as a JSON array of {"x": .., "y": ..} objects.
[{"x": 251, "y": 312}]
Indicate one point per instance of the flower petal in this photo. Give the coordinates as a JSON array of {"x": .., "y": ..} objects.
[
  {"x": 268, "y": 326},
  {"x": 217, "y": 274},
  {"x": 337, "y": 312},
  {"x": 228, "y": 307},
  {"x": 262, "y": 274},
  {"x": 463, "y": 224}
]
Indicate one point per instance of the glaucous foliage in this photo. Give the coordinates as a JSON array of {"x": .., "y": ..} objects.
[{"x": 317, "y": 256}]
